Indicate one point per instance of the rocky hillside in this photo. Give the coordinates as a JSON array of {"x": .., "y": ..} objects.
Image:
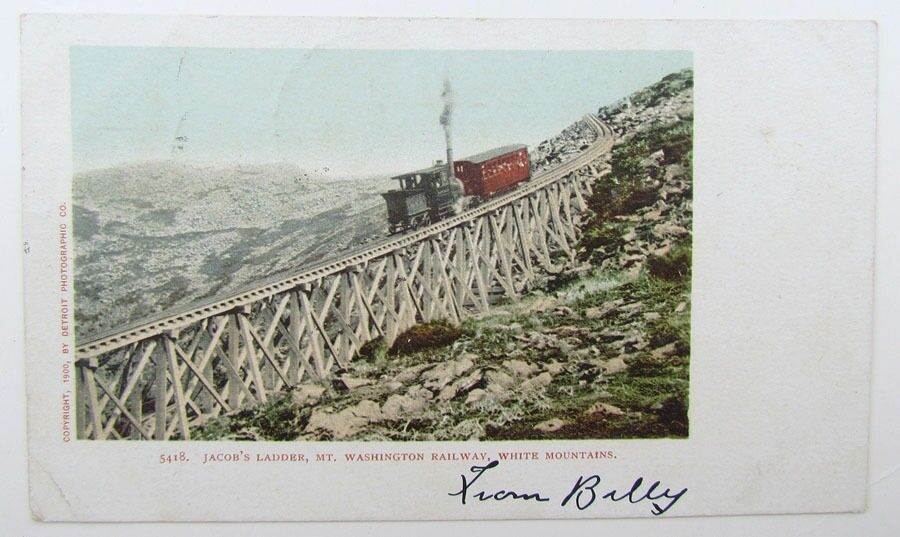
[
  {"x": 562, "y": 147},
  {"x": 600, "y": 351},
  {"x": 155, "y": 236}
]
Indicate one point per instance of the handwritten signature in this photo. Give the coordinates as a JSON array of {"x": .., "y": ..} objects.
[{"x": 585, "y": 491}]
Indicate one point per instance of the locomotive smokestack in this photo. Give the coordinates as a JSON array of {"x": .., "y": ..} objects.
[{"x": 447, "y": 96}]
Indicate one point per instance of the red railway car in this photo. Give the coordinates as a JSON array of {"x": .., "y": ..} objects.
[{"x": 493, "y": 171}]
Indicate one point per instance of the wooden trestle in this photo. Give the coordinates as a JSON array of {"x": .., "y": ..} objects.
[{"x": 161, "y": 379}]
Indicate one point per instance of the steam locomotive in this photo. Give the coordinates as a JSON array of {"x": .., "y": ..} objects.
[{"x": 429, "y": 195}]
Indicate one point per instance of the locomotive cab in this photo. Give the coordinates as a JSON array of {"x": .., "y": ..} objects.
[{"x": 425, "y": 196}]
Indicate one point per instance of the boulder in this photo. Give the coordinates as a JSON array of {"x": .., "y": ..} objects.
[
  {"x": 555, "y": 368},
  {"x": 443, "y": 373},
  {"x": 663, "y": 352},
  {"x": 475, "y": 396},
  {"x": 306, "y": 394},
  {"x": 345, "y": 423},
  {"x": 605, "y": 408},
  {"x": 411, "y": 373},
  {"x": 419, "y": 392},
  {"x": 367, "y": 409},
  {"x": 540, "y": 381},
  {"x": 520, "y": 367},
  {"x": 604, "y": 310},
  {"x": 662, "y": 251},
  {"x": 613, "y": 366},
  {"x": 350, "y": 383},
  {"x": 567, "y": 331},
  {"x": 669, "y": 229},
  {"x": 393, "y": 385},
  {"x": 499, "y": 379},
  {"x": 548, "y": 426},
  {"x": 398, "y": 406},
  {"x": 461, "y": 386}
]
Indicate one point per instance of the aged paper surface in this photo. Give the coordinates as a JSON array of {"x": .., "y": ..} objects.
[{"x": 541, "y": 330}]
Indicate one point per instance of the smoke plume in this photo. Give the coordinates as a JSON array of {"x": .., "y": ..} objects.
[{"x": 447, "y": 96}]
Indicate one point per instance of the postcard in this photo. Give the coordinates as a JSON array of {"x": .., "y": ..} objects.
[{"x": 413, "y": 269}]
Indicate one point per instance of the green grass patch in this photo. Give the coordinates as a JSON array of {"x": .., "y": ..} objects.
[{"x": 278, "y": 419}]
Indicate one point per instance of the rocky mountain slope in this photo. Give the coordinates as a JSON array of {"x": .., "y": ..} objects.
[{"x": 600, "y": 351}]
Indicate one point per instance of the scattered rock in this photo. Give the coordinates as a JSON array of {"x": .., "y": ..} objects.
[
  {"x": 443, "y": 373},
  {"x": 605, "y": 408},
  {"x": 613, "y": 366},
  {"x": 351, "y": 383},
  {"x": 541, "y": 381},
  {"x": 652, "y": 316},
  {"x": 397, "y": 406},
  {"x": 367, "y": 409},
  {"x": 555, "y": 368},
  {"x": 306, "y": 394},
  {"x": 680, "y": 307},
  {"x": 393, "y": 385},
  {"x": 662, "y": 251},
  {"x": 663, "y": 352},
  {"x": 520, "y": 368},
  {"x": 498, "y": 390},
  {"x": 604, "y": 310},
  {"x": 548, "y": 426},
  {"x": 461, "y": 386},
  {"x": 476, "y": 395},
  {"x": 419, "y": 392},
  {"x": 411, "y": 373},
  {"x": 650, "y": 216},
  {"x": 500, "y": 378},
  {"x": 567, "y": 331},
  {"x": 669, "y": 229},
  {"x": 345, "y": 423}
]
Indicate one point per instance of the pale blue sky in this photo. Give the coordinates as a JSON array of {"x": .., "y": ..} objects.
[{"x": 355, "y": 111}]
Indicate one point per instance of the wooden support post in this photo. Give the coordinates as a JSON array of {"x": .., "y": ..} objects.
[
  {"x": 180, "y": 404},
  {"x": 312, "y": 334},
  {"x": 233, "y": 387},
  {"x": 295, "y": 369},
  {"x": 160, "y": 403},
  {"x": 391, "y": 322},
  {"x": 252, "y": 357},
  {"x": 81, "y": 400}
]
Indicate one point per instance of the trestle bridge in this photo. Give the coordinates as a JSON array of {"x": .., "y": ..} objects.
[{"x": 160, "y": 379}]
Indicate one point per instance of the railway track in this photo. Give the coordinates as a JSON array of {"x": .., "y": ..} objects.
[{"x": 178, "y": 319}]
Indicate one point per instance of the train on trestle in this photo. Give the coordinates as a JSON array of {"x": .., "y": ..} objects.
[{"x": 446, "y": 189}]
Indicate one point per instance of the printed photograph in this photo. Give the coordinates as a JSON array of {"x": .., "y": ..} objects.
[{"x": 381, "y": 245}]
